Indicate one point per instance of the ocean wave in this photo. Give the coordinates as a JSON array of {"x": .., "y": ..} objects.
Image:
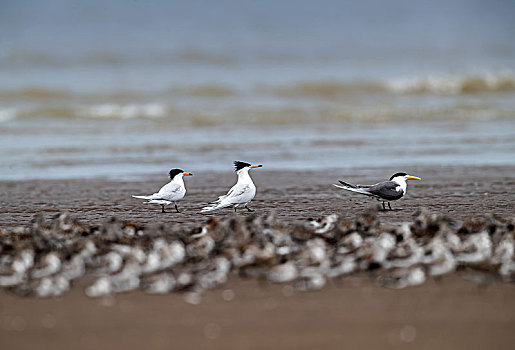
[
  {"x": 7, "y": 114},
  {"x": 256, "y": 116},
  {"x": 209, "y": 90},
  {"x": 455, "y": 85},
  {"x": 436, "y": 84},
  {"x": 99, "y": 111},
  {"x": 433, "y": 84},
  {"x": 40, "y": 94},
  {"x": 323, "y": 89},
  {"x": 128, "y": 111},
  {"x": 34, "y": 94},
  {"x": 299, "y": 103}
]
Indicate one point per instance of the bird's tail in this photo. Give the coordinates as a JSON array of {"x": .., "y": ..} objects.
[
  {"x": 142, "y": 197},
  {"x": 346, "y": 184},
  {"x": 214, "y": 206},
  {"x": 351, "y": 187}
]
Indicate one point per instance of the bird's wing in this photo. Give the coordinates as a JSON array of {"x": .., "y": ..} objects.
[
  {"x": 234, "y": 196},
  {"x": 347, "y": 184},
  {"x": 386, "y": 190},
  {"x": 168, "y": 190},
  {"x": 237, "y": 191}
]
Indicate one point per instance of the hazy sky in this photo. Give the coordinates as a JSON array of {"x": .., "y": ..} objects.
[{"x": 255, "y": 26}]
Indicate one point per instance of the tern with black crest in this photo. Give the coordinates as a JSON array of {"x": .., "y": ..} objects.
[
  {"x": 171, "y": 192},
  {"x": 241, "y": 193},
  {"x": 385, "y": 191}
]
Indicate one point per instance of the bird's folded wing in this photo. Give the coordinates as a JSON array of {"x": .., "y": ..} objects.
[
  {"x": 353, "y": 186},
  {"x": 387, "y": 189},
  {"x": 167, "y": 190},
  {"x": 237, "y": 191}
]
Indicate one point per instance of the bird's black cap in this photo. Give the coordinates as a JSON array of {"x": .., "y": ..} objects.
[
  {"x": 240, "y": 165},
  {"x": 397, "y": 174},
  {"x": 174, "y": 172}
]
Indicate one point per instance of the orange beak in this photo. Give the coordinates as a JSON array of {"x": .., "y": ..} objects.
[
  {"x": 411, "y": 177},
  {"x": 187, "y": 174},
  {"x": 255, "y": 166}
]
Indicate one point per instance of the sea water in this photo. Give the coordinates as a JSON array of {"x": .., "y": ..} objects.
[{"x": 123, "y": 89}]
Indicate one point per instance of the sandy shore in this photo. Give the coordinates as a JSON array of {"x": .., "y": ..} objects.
[
  {"x": 458, "y": 192},
  {"x": 449, "y": 313}
]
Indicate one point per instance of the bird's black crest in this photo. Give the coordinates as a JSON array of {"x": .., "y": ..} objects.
[
  {"x": 240, "y": 165},
  {"x": 174, "y": 172},
  {"x": 397, "y": 174}
]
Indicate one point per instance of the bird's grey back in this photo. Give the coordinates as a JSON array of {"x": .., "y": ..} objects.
[{"x": 386, "y": 190}]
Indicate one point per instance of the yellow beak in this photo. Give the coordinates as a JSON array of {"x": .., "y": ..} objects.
[
  {"x": 411, "y": 177},
  {"x": 256, "y": 166}
]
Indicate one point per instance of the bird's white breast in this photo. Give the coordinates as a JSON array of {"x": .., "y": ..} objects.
[
  {"x": 244, "y": 179},
  {"x": 403, "y": 186}
]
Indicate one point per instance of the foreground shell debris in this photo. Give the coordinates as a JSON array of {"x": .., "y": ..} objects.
[{"x": 48, "y": 257}]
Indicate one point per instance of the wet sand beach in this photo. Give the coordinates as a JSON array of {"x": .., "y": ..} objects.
[
  {"x": 291, "y": 195},
  {"x": 354, "y": 314},
  {"x": 351, "y": 312}
]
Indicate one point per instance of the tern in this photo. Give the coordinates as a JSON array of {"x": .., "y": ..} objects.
[
  {"x": 385, "y": 191},
  {"x": 171, "y": 192},
  {"x": 241, "y": 193}
]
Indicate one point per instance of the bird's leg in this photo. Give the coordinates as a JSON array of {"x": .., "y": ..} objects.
[
  {"x": 162, "y": 208},
  {"x": 389, "y": 206},
  {"x": 177, "y": 209},
  {"x": 384, "y": 208},
  {"x": 235, "y": 208},
  {"x": 248, "y": 208}
]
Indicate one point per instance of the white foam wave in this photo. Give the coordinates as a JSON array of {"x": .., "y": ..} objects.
[
  {"x": 128, "y": 111},
  {"x": 97, "y": 111},
  {"x": 454, "y": 85},
  {"x": 433, "y": 84},
  {"x": 7, "y": 114}
]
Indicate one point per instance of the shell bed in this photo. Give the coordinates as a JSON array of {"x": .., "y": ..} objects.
[{"x": 48, "y": 257}]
